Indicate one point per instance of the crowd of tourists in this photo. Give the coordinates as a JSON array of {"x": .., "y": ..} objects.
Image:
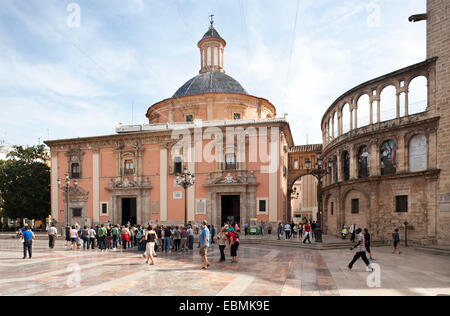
[{"x": 172, "y": 239}]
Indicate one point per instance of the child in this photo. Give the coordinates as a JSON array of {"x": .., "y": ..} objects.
[{"x": 396, "y": 237}]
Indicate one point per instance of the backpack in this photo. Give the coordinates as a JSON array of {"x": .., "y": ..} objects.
[
  {"x": 115, "y": 232},
  {"x": 139, "y": 234}
]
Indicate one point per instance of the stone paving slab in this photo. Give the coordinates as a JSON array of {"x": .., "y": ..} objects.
[{"x": 261, "y": 271}]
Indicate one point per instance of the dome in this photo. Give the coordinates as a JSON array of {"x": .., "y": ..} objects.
[{"x": 210, "y": 81}]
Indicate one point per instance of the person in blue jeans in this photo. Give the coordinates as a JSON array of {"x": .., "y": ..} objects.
[
  {"x": 28, "y": 237},
  {"x": 167, "y": 234}
]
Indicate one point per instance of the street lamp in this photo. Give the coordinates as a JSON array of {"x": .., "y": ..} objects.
[
  {"x": 66, "y": 189},
  {"x": 319, "y": 172},
  {"x": 186, "y": 179}
]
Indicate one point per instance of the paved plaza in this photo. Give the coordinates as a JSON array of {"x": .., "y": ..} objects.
[{"x": 262, "y": 271}]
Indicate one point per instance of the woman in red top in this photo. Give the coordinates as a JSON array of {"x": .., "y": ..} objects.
[{"x": 233, "y": 239}]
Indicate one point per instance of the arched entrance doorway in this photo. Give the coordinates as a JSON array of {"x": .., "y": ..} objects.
[{"x": 303, "y": 199}]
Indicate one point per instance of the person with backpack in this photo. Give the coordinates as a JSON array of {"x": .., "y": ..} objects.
[
  {"x": 115, "y": 236},
  {"x": 139, "y": 237},
  {"x": 151, "y": 237}
]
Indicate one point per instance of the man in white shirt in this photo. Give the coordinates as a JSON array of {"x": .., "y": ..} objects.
[
  {"x": 52, "y": 235},
  {"x": 287, "y": 231}
]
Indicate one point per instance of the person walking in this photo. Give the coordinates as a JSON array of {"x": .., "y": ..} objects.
[
  {"x": 367, "y": 241},
  {"x": 222, "y": 241},
  {"x": 28, "y": 237},
  {"x": 204, "y": 244},
  {"x": 52, "y": 235},
  {"x": 307, "y": 233},
  {"x": 151, "y": 237},
  {"x": 261, "y": 228},
  {"x": 67, "y": 235},
  {"x": 360, "y": 251},
  {"x": 396, "y": 237},
  {"x": 279, "y": 230}
]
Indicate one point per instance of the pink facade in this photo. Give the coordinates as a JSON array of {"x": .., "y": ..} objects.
[{"x": 130, "y": 176}]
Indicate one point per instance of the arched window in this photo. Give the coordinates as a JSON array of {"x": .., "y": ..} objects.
[
  {"x": 346, "y": 118},
  {"x": 346, "y": 165},
  {"x": 418, "y": 153},
  {"x": 363, "y": 111},
  {"x": 388, "y": 105},
  {"x": 418, "y": 95},
  {"x": 335, "y": 126},
  {"x": 208, "y": 56},
  {"x": 363, "y": 162},
  {"x": 388, "y": 157}
]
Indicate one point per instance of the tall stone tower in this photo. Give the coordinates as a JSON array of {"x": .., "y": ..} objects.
[{"x": 438, "y": 45}]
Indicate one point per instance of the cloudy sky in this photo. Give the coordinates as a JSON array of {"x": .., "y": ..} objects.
[{"x": 58, "y": 81}]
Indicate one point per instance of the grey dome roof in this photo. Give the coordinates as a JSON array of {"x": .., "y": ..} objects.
[
  {"x": 212, "y": 32},
  {"x": 211, "y": 81}
]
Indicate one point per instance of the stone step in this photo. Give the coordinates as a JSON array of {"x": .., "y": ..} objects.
[
  {"x": 434, "y": 250},
  {"x": 314, "y": 246}
]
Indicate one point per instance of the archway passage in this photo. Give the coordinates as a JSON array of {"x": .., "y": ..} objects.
[
  {"x": 231, "y": 208},
  {"x": 129, "y": 211}
]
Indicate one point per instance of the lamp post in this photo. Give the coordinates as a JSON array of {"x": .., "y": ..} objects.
[
  {"x": 66, "y": 189},
  {"x": 319, "y": 172},
  {"x": 186, "y": 180}
]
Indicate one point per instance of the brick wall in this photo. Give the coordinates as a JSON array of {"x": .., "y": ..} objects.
[{"x": 438, "y": 44}]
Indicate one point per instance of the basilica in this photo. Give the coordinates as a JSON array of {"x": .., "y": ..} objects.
[{"x": 233, "y": 143}]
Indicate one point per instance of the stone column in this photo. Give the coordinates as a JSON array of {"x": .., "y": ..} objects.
[
  {"x": 339, "y": 165},
  {"x": 406, "y": 103},
  {"x": 163, "y": 184},
  {"x": 96, "y": 186},
  {"x": 378, "y": 111},
  {"x": 353, "y": 163},
  {"x": 371, "y": 112},
  {"x": 374, "y": 161},
  {"x": 397, "y": 108},
  {"x": 55, "y": 189},
  {"x": 401, "y": 152}
]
